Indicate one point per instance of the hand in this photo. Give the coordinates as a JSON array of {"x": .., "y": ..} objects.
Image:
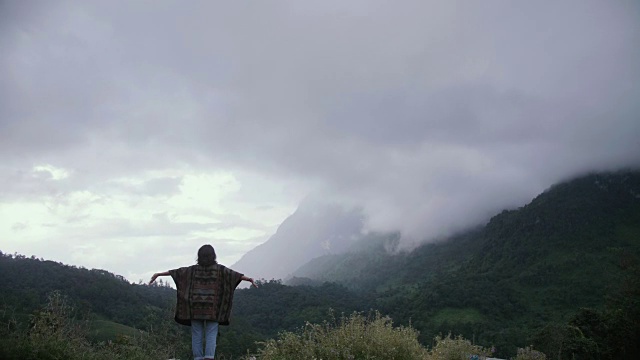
[
  {"x": 153, "y": 278},
  {"x": 253, "y": 283}
]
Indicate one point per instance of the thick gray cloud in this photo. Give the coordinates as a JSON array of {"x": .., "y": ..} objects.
[{"x": 430, "y": 115}]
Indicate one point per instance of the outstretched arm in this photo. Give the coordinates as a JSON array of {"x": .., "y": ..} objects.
[
  {"x": 155, "y": 276},
  {"x": 249, "y": 280}
]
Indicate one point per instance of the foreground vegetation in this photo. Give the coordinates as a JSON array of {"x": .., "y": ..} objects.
[
  {"x": 59, "y": 330},
  {"x": 55, "y": 333},
  {"x": 353, "y": 337},
  {"x": 358, "y": 337}
]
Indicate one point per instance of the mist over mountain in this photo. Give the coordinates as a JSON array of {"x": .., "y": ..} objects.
[
  {"x": 593, "y": 213},
  {"x": 319, "y": 230},
  {"x": 316, "y": 228}
]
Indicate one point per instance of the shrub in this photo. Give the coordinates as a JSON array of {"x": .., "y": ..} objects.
[
  {"x": 352, "y": 337},
  {"x": 457, "y": 348},
  {"x": 529, "y": 354}
]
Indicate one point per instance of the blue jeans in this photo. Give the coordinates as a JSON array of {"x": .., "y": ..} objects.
[{"x": 210, "y": 331}]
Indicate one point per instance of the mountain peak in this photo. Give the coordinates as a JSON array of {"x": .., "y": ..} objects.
[{"x": 316, "y": 228}]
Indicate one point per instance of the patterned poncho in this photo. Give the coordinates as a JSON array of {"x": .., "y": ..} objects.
[{"x": 205, "y": 293}]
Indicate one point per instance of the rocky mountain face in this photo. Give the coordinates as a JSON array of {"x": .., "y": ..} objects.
[{"x": 314, "y": 229}]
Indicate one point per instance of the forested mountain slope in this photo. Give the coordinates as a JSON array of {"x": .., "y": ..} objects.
[
  {"x": 597, "y": 214},
  {"x": 26, "y": 282},
  {"x": 569, "y": 248}
]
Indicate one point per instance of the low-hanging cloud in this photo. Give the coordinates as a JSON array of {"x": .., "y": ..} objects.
[{"x": 430, "y": 115}]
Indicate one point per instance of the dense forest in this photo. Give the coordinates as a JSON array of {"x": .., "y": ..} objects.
[{"x": 560, "y": 273}]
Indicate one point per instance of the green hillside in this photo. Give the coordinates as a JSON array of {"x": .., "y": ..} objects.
[
  {"x": 105, "y": 330},
  {"x": 97, "y": 307},
  {"x": 570, "y": 248},
  {"x": 26, "y": 283}
]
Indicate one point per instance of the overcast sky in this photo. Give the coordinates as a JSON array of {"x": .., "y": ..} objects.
[{"x": 132, "y": 132}]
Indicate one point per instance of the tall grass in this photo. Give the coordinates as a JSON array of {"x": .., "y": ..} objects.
[
  {"x": 360, "y": 337},
  {"x": 528, "y": 353},
  {"x": 349, "y": 338}
]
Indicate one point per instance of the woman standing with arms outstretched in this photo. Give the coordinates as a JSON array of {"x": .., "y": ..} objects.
[{"x": 205, "y": 297}]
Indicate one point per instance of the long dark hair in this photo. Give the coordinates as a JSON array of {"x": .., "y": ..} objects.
[{"x": 206, "y": 255}]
